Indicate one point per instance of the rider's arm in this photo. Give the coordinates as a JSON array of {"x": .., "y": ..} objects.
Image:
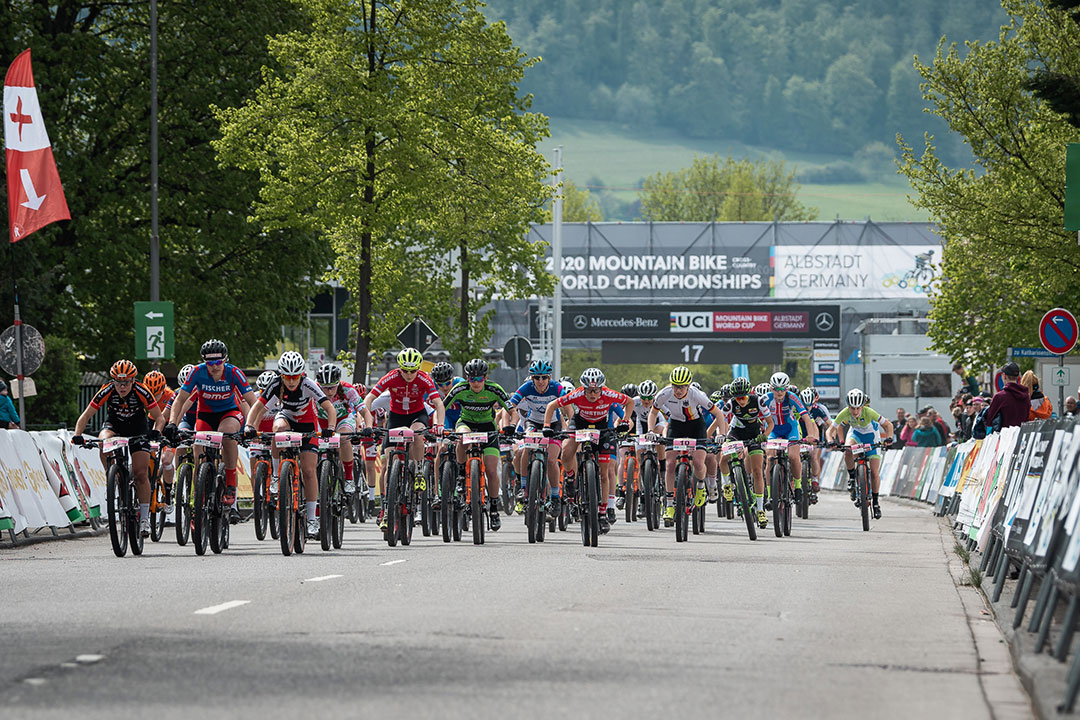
[
  {"x": 651, "y": 422},
  {"x": 769, "y": 426},
  {"x": 331, "y": 412},
  {"x": 158, "y": 417},
  {"x": 628, "y": 410},
  {"x": 88, "y": 413},
  {"x": 887, "y": 427},
  {"x": 180, "y": 405},
  {"x": 440, "y": 410},
  {"x": 549, "y": 412},
  {"x": 254, "y": 415},
  {"x": 811, "y": 427},
  {"x": 368, "y": 400},
  {"x": 719, "y": 424}
]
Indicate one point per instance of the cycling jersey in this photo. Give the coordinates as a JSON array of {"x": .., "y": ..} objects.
[
  {"x": 866, "y": 423},
  {"x": 478, "y": 407},
  {"x": 347, "y": 403},
  {"x": 531, "y": 404},
  {"x": 217, "y": 396},
  {"x": 754, "y": 415},
  {"x": 593, "y": 411},
  {"x": 693, "y": 406},
  {"x": 819, "y": 413},
  {"x": 451, "y": 415},
  {"x": 165, "y": 403},
  {"x": 641, "y": 424},
  {"x": 617, "y": 412},
  {"x": 406, "y": 398},
  {"x": 786, "y": 410},
  {"x": 296, "y": 404},
  {"x": 128, "y": 413}
]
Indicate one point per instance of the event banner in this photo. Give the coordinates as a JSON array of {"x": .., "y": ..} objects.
[{"x": 855, "y": 272}]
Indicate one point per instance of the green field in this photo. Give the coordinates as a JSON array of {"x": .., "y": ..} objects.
[{"x": 612, "y": 157}]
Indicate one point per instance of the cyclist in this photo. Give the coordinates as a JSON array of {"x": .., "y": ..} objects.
[
  {"x": 592, "y": 402},
  {"x": 787, "y": 409},
  {"x": 626, "y": 448},
  {"x": 686, "y": 407},
  {"x": 218, "y": 408},
  {"x": 266, "y": 425},
  {"x": 819, "y": 414},
  {"x": 762, "y": 390},
  {"x": 478, "y": 399},
  {"x": 127, "y": 405},
  {"x": 348, "y": 402},
  {"x": 646, "y": 394},
  {"x": 530, "y": 400},
  {"x": 751, "y": 423},
  {"x": 865, "y": 424},
  {"x": 297, "y": 397},
  {"x": 154, "y": 381},
  {"x": 410, "y": 390}
]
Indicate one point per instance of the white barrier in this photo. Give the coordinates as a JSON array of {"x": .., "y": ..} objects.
[{"x": 25, "y": 490}]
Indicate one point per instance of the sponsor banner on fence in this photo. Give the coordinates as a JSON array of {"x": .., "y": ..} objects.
[
  {"x": 854, "y": 271},
  {"x": 24, "y": 486}
]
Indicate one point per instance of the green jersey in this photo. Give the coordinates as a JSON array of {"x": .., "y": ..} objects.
[
  {"x": 863, "y": 423},
  {"x": 478, "y": 408}
]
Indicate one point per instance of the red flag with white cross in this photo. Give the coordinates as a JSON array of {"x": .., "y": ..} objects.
[{"x": 35, "y": 196}]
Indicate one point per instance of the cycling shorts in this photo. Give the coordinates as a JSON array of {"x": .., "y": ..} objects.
[
  {"x": 211, "y": 421},
  {"x": 865, "y": 438},
  {"x": 406, "y": 420},
  {"x": 130, "y": 430},
  {"x": 687, "y": 428},
  {"x": 748, "y": 436},
  {"x": 539, "y": 427},
  {"x": 789, "y": 431},
  {"x": 302, "y": 427},
  {"x": 344, "y": 425},
  {"x": 492, "y": 445},
  {"x": 608, "y": 438}
]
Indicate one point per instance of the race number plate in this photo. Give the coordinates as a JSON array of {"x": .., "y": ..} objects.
[
  {"x": 643, "y": 442},
  {"x": 592, "y": 436},
  {"x": 330, "y": 443},
  {"x": 256, "y": 447},
  {"x": 505, "y": 447},
  {"x": 287, "y": 439},
  {"x": 778, "y": 444},
  {"x": 732, "y": 448},
  {"x": 685, "y": 442},
  {"x": 401, "y": 435},
  {"x": 472, "y": 438},
  {"x": 859, "y": 449},
  {"x": 154, "y": 446},
  {"x": 114, "y": 443},
  {"x": 534, "y": 439},
  {"x": 208, "y": 439}
]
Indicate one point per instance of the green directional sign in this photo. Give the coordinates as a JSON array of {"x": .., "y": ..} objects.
[
  {"x": 154, "y": 331},
  {"x": 1072, "y": 186}
]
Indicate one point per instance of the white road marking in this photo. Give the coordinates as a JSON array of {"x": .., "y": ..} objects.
[
  {"x": 321, "y": 578},
  {"x": 88, "y": 658},
  {"x": 215, "y": 609},
  {"x": 392, "y": 562},
  {"x": 34, "y": 681}
]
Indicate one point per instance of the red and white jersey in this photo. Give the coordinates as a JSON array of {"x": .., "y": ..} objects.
[
  {"x": 406, "y": 398},
  {"x": 593, "y": 411}
]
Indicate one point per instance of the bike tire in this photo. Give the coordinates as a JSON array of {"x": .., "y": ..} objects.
[
  {"x": 862, "y": 485},
  {"x": 476, "y": 501},
  {"x": 135, "y": 538},
  {"x": 258, "y": 500},
  {"x": 116, "y": 488},
  {"x": 200, "y": 531},
  {"x": 533, "y": 514},
  {"x": 648, "y": 478},
  {"x": 776, "y": 481},
  {"x": 218, "y": 522},
  {"x": 447, "y": 502},
  {"x": 592, "y": 506},
  {"x": 426, "y": 513},
  {"x": 787, "y": 505},
  {"x": 157, "y": 517},
  {"x": 326, "y": 513},
  {"x": 182, "y": 502},
  {"x": 743, "y": 495},
  {"x": 393, "y": 502},
  {"x": 408, "y": 511},
  {"x": 507, "y": 479},
  {"x": 339, "y": 507},
  {"x": 682, "y": 485},
  {"x": 285, "y": 513},
  {"x": 698, "y": 516},
  {"x": 629, "y": 494},
  {"x": 273, "y": 517}
]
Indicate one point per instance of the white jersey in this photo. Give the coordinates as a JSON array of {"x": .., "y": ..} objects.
[
  {"x": 643, "y": 421},
  {"x": 686, "y": 409},
  {"x": 294, "y": 404}
]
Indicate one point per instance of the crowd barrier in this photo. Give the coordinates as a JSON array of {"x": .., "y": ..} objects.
[{"x": 46, "y": 483}]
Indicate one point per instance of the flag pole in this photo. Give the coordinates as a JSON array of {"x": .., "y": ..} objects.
[{"x": 18, "y": 340}]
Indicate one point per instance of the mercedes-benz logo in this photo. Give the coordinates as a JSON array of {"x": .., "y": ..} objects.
[
  {"x": 581, "y": 322},
  {"x": 824, "y": 321}
]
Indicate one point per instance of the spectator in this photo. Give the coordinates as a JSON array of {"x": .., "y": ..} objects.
[
  {"x": 958, "y": 420},
  {"x": 1041, "y": 407},
  {"x": 925, "y": 435},
  {"x": 898, "y": 426},
  {"x": 969, "y": 382},
  {"x": 9, "y": 419},
  {"x": 967, "y": 419},
  {"x": 1011, "y": 406},
  {"x": 939, "y": 426},
  {"x": 910, "y": 424},
  {"x": 978, "y": 425},
  {"x": 1070, "y": 405}
]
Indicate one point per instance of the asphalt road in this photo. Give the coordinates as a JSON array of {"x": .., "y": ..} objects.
[{"x": 831, "y": 622}]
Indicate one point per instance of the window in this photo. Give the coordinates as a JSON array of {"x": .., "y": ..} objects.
[{"x": 902, "y": 385}]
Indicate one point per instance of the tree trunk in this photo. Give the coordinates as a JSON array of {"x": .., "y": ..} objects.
[
  {"x": 363, "y": 292},
  {"x": 463, "y": 317}
]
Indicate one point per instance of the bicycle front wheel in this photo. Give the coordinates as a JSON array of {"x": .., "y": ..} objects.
[
  {"x": 682, "y": 488},
  {"x": 394, "y": 485},
  {"x": 201, "y": 530},
  {"x": 592, "y": 502},
  {"x": 182, "y": 498},
  {"x": 533, "y": 514},
  {"x": 648, "y": 480},
  {"x": 776, "y": 484},
  {"x": 158, "y": 510},
  {"x": 258, "y": 503},
  {"x": 286, "y": 514},
  {"x": 743, "y": 497},
  {"x": 862, "y": 485},
  {"x": 477, "y": 501},
  {"x": 326, "y": 515},
  {"x": 116, "y": 484},
  {"x": 447, "y": 502}
]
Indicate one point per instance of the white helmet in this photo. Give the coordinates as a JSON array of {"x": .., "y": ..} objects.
[
  {"x": 856, "y": 397},
  {"x": 291, "y": 363},
  {"x": 647, "y": 388},
  {"x": 762, "y": 389},
  {"x": 592, "y": 378},
  {"x": 779, "y": 380},
  {"x": 263, "y": 381},
  {"x": 184, "y": 374},
  {"x": 807, "y": 396}
]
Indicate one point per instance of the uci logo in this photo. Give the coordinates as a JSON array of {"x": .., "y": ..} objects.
[{"x": 691, "y": 322}]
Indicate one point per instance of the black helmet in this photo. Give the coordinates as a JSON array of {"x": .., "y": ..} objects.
[
  {"x": 216, "y": 348},
  {"x": 328, "y": 374},
  {"x": 442, "y": 373},
  {"x": 740, "y": 386},
  {"x": 476, "y": 368},
  {"x": 629, "y": 389}
]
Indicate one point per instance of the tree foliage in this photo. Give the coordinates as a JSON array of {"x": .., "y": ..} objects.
[
  {"x": 1007, "y": 259},
  {"x": 823, "y": 76},
  {"x": 578, "y": 204},
  {"x": 396, "y": 129},
  {"x": 228, "y": 277},
  {"x": 716, "y": 189}
]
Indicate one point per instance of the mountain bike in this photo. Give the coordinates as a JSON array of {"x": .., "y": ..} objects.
[
  {"x": 333, "y": 505},
  {"x": 476, "y": 479},
  {"x": 588, "y": 480},
  {"x": 184, "y": 492},
  {"x": 652, "y": 488},
  {"x": 160, "y": 497},
  {"x": 686, "y": 512},
  {"x": 210, "y": 512},
  {"x": 429, "y": 516},
  {"x": 508, "y": 479},
  {"x": 863, "y": 493},
  {"x": 398, "y": 493},
  {"x": 122, "y": 503},
  {"x": 734, "y": 451},
  {"x": 802, "y": 508},
  {"x": 451, "y": 495},
  {"x": 539, "y": 488},
  {"x": 631, "y": 482},
  {"x": 781, "y": 490},
  {"x": 264, "y": 502},
  {"x": 292, "y": 520}
]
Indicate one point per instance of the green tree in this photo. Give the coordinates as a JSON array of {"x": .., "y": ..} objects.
[
  {"x": 715, "y": 189},
  {"x": 1007, "y": 259},
  {"x": 393, "y": 125},
  {"x": 57, "y": 382},
  {"x": 578, "y": 204}
]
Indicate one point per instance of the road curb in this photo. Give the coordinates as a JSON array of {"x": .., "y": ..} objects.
[{"x": 61, "y": 534}]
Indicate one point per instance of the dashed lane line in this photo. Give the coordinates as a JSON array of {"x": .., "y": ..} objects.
[{"x": 215, "y": 609}]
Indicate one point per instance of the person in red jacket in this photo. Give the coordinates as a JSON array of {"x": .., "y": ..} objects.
[{"x": 1012, "y": 403}]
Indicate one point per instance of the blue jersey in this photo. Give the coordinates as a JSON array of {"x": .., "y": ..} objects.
[
  {"x": 819, "y": 413},
  {"x": 217, "y": 395},
  {"x": 786, "y": 410},
  {"x": 531, "y": 404},
  {"x": 615, "y": 413},
  {"x": 450, "y": 417}
]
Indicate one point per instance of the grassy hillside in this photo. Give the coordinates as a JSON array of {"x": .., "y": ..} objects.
[{"x": 611, "y": 159}]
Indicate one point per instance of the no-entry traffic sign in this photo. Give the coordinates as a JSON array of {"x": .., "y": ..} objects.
[{"x": 1058, "y": 331}]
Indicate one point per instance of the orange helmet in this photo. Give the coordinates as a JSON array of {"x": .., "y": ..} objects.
[
  {"x": 154, "y": 382},
  {"x": 123, "y": 370}
]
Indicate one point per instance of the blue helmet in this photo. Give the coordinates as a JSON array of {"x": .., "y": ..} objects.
[{"x": 540, "y": 367}]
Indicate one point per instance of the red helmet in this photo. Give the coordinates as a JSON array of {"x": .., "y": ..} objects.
[{"x": 123, "y": 370}]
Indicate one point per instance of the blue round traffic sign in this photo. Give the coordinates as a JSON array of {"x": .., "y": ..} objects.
[{"x": 1058, "y": 331}]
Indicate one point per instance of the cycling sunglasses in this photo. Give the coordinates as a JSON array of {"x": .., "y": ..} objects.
[
  {"x": 292, "y": 377},
  {"x": 482, "y": 378},
  {"x": 215, "y": 363},
  {"x": 646, "y": 397},
  {"x": 541, "y": 377},
  {"x": 124, "y": 383}
]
